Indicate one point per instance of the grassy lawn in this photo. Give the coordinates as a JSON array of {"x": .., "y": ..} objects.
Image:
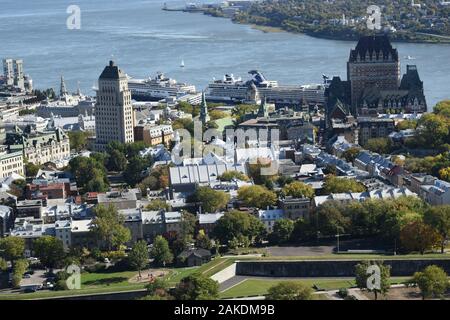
[
  {"x": 90, "y": 283},
  {"x": 208, "y": 269},
  {"x": 259, "y": 287},
  {"x": 101, "y": 280}
]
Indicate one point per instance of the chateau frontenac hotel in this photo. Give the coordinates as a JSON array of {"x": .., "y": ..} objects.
[{"x": 374, "y": 86}]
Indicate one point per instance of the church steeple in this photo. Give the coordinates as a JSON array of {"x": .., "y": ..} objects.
[
  {"x": 204, "y": 116},
  {"x": 62, "y": 89},
  {"x": 263, "y": 111}
]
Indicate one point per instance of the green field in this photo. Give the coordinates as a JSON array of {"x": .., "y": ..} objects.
[
  {"x": 104, "y": 282},
  {"x": 92, "y": 283},
  {"x": 260, "y": 287}
]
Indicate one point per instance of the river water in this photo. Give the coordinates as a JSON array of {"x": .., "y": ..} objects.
[{"x": 143, "y": 40}]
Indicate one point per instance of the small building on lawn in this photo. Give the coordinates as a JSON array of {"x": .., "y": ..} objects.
[{"x": 194, "y": 257}]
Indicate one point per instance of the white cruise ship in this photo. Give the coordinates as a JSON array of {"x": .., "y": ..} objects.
[
  {"x": 158, "y": 88},
  {"x": 231, "y": 89}
]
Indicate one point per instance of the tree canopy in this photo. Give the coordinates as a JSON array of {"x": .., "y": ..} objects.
[
  {"x": 432, "y": 282},
  {"x": 12, "y": 248},
  {"x": 334, "y": 184},
  {"x": 197, "y": 287},
  {"x": 236, "y": 223},
  {"x": 298, "y": 189},
  {"x": 108, "y": 226},
  {"x": 160, "y": 252},
  {"x": 257, "y": 196},
  {"x": 289, "y": 290},
  {"x": 138, "y": 256},
  {"x": 211, "y": 200},
  {"x": 50, "y": 251}
]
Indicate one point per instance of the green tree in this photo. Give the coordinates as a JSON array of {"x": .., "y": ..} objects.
[
  {"x": 433, "y": 129},
  {"x": 116, "y": 161},
  {"x": 379, "y": 145},
  {"x": 197, "y": 287},
  {"x": 158, "y": 204},
  {"x": 334, "y": 184},
  {"x": 203, "y": 241},
  {"x": 133, "y": 171},
  {"x": 236, "y": 223},
  {"x": 158, "y": 288},
  {"x": 212, "y": 200},
  {"x": 350, "y": 154},
  {"x": 19, "y": 269},
  {"x": 289, "y": 290},
  {"x": 31, "y": 169},
  {"x": 78, "y": 139},
  {"x": 439, "y": 218},
  {"x": 443, "y": 108},
  {"x": 257, "y": 196},
  {"x": 364, "y": 276},
  {"x": 12, "y": 248},
  {"x": 89, "y": 173},
  {"x": 138, "y": 257},
  {"x": 330, "y": 218},
  {"x": 282, "y": 231},
  {"x": 303, "y": 230},
  {"x": 3, "y": 265},
  {"x": 160, "y": 252},
  {"x": 298, "y": 189},
  {"x": 49, "y": 250},
  {"x": 432, "y": 282},
  {"x": 233, "y": 174},
  {"x": 108, "y": 227},
  {"x": 418, "y": 236}
]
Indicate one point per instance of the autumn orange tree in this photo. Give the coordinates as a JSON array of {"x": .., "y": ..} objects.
[{"x": 418, "y": 236}]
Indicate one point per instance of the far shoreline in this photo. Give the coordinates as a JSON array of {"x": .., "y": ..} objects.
[{"x": 269, "y": 29}]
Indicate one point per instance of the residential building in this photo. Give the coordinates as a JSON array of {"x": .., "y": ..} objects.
[
  {"x": 133, "y": 221},
  {"x": 30, "y": 208},
  {"x": 269, "y": 217},
  {"x": 13, "y": 72},
  {"x": 63, "y": 232},
  {"x": 371, "y": 127},
  {"x": 31, "y": 229},
  {"x": 153, "y": 134},
  {"x": 347, "y": 197},
  {"x": 194, "y": 257},
  {"x": 114, "y": 119},
  {"x": 10, "y": 162},
  {"x": 40, "y": 147},
  {"x": 125, "y": 199},
  {"x": 207, "y": 221},
  {"x": 296, "y": 208},
  {"x": 436, "y": 194}
]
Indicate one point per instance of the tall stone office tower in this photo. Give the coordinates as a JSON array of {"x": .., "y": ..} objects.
[{"x": 114, "y": 119}]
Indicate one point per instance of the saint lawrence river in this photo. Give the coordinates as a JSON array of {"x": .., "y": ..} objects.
[{"x": 143, "y": 40}]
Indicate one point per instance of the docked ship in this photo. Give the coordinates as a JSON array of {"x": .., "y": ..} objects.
[
  {"x": 158, "y": 88},
  {"x": 234, "y": 89}
]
